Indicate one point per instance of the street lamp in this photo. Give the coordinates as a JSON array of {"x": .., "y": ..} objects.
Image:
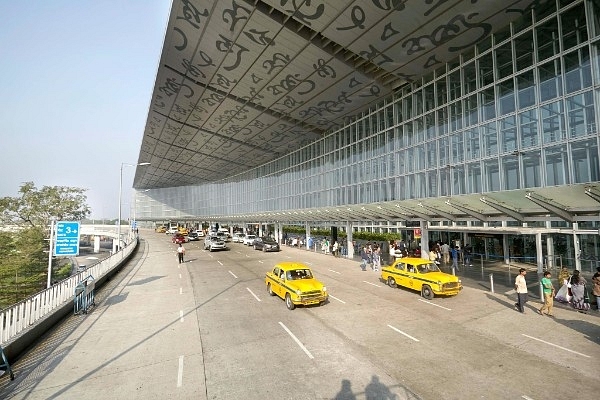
[{"x": 120, "y": 195}]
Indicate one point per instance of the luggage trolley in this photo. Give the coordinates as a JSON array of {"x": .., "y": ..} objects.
[
  {"x": 5, "y": 366},
  {"x": 84, "y": 295}
]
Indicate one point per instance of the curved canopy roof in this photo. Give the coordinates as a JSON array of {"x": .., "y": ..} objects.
[{"x": 241, "y": 83}]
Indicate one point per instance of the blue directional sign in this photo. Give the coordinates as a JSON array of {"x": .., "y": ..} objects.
[{"x": 67, "y": 238}]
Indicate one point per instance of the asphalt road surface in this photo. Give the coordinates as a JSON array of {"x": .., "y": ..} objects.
[{"x": 207, "y": 329}]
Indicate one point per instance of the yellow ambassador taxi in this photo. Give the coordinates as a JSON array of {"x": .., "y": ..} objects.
[
  {"x": 422, "y": 275},
  {"x": 295, "y": 283}
]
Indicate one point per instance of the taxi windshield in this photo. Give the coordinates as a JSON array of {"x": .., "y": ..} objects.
[
  {"x": 425, "y": 268},
  {"x": 296, "y": 274}
]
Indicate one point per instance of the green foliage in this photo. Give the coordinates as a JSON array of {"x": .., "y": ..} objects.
[
  {"x": 35, "y": 207},
  {"x": 363, "y": 235},
  {"x": 23, "y": 262}
]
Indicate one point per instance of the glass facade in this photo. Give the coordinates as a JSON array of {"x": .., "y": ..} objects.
[{"x": 518, "y": 110}]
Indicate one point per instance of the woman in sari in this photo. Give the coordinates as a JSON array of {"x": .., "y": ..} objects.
[{"x": 578, "y": 291}]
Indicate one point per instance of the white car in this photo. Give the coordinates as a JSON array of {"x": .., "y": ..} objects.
[
  {"x": 238, "y": 237},
  {"x": 200, "y": 233},
  {"x": 212, "y": 243},
  {"x": 249, "y": 240},
  {"x": 172, "y": 231}
]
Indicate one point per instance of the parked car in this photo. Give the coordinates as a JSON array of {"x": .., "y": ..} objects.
[
  {"x": 265, "y": 244},
  {"x": 422, "y": 275},
  {"x": 193, "y": 236},
  {"x": 238, "y": 237},
  {"x": 200, "y": 232},
  {"x": 161, "y": 229},
  {"x": 294, "y": 282},
  {"x": 212, "y": 243},
  {"x": 172, "y": 231},
  {"x": 249, "y": 240},
  {"x": 179, "y": 238}
]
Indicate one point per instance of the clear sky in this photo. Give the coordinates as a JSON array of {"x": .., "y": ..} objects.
[{"x": 76, "y": 78}]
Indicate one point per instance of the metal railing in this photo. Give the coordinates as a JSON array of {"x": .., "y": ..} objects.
[{"x": 17, "y": 318}]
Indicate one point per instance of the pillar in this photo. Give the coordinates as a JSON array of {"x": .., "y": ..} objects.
[
  {"x": 539, "y": 253},
  {"x": 576, "y": 246},
  {"x": 96, "y": 244},
  {"x": 349, "y": 244},
  {"x": 505, "y": 248},
  {"x": 307, "y": 234},
  {"x": 424, "y": 240}
]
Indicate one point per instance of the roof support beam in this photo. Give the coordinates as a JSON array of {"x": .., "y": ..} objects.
[
  {"x": 435, "y": 211},
  {"x": 502, "y": 208},
  {"x": 468, "y": 211},
  {"x": 411, "y": 212},
  {"x": 593, "y": 193},
  {"x": 550, "y": 206}
]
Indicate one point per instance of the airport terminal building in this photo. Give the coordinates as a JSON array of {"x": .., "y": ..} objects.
[{"x": 475, "y": 121}]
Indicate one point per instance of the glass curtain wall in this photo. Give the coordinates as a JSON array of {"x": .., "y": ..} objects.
[{"x": 518, "y": 110}]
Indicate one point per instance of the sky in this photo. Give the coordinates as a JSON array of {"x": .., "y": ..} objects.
[{"x": 76, "y": 78}]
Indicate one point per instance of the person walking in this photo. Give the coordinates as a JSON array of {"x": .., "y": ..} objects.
[
  {"x": 376, "y": 258},
  {"x": 364, "y": 258},
  {"x": 446, "y": 253},
  {"x": 596, "y": 290},
  {"x": 521, "y": 288},
  {"x": 455, "y": 258},
  {"x": 548, "y": 288},
  {"x": 180, "y": 253}
]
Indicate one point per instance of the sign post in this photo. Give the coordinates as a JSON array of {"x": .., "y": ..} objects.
[{"x": 67, "y": 238}]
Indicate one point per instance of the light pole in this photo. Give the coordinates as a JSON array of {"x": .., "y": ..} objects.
[{"x": 120, "y": 196}]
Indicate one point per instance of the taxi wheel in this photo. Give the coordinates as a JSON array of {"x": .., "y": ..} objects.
[
  {"x": 427, "y": 292},
  {"x": 391, "y": 282},
  {"x": 288, "y": 302},
  {"x": 270, "y": 290}
]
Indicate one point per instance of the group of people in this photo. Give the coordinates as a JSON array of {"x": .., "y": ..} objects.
[
  {"x": 572, "y": 291},
  {"x": 370, "y": 255}
]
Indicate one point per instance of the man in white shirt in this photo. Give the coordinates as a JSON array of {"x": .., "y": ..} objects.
[{"x": 521, "y": 288}]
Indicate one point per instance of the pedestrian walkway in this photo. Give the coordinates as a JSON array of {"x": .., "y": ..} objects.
[{"x": 128, "y": 347}]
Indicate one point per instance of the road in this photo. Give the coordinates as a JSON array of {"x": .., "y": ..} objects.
[
  {"x": 207, "y": 329},
  {"x": 371, "y": 338}
]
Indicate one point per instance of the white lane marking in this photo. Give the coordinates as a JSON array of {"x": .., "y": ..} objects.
[
  {"x": 261, "y": 261},
  {"x": 307, "y": 263},
  {"x": 232, "y": 274},
  {"x": 288, "y": 256},
  {"x": 555, "y": 345},
  {"x": 247, "y": 256},
  {"x": 180, "y": 315},
  {"x": 239, "y": 252},
  {"x": 334, "y": 271},
  {"x": 405, "y": 334},
  {"x": 220, "y": 263},
  {"x": 526, "y": 397},
  {"x": 296, "y": 340},
  {"x": 255, "y": 296},
  {"x": 374, "y": 284},
  {"x": 180, "y": 372},
  {"x": 180, "y": 290},
  {"x": 179, "y": 276},
  {"x": 433, "y": 304},
  {"x": 333, "y": 297}
]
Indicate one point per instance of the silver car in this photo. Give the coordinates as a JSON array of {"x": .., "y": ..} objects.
[{"x": 212, "y": 243}]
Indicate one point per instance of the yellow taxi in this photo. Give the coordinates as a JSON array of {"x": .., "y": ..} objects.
[
  {"x": 295, "y": 283},
  {"x": 161, "y": 229},
  {"x": 422, "y": 275},
  {"x": 183, "y": 231}
]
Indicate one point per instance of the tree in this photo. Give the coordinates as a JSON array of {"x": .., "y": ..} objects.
[
  {"x": 23, "y": 249},
  {"x": 36, "y": 207}
]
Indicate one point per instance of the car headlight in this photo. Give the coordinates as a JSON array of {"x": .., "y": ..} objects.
[
  {"x": 298, "y": 292},
  {"x": 324, "y": 288}
]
